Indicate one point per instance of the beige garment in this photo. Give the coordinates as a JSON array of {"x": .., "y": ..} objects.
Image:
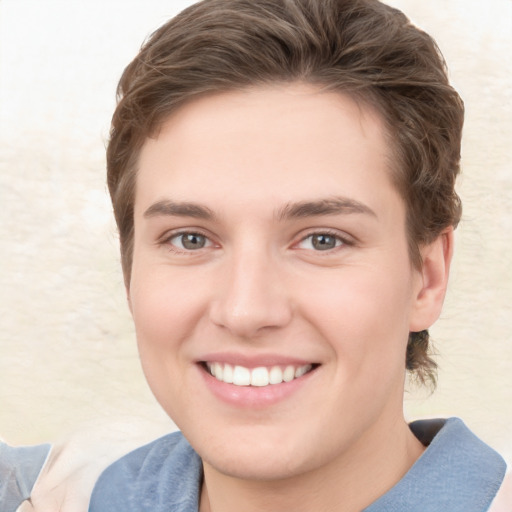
[{"x": 67, "y": 479}]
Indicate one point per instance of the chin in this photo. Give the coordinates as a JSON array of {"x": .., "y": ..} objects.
[
  {"x": 254, "y": 455},
  {"x": 255, "y": 466}
]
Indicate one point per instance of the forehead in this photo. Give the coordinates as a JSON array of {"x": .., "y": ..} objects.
[{"x": 282, "y": 141}]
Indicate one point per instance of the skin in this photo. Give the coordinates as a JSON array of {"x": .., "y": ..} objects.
[{"x": 263, "y": 168}]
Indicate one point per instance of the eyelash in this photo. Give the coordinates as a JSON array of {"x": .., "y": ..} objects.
[{"x": 340, "y": 241}]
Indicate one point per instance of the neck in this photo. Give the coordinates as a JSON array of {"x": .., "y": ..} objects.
[{"x": 349, "y": 483}]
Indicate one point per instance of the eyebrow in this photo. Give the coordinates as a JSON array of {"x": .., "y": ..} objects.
[
  {"x": 329, "y": 206},
  {"x": 301, "y": 209},
  {"x": 179, "y": 209}
]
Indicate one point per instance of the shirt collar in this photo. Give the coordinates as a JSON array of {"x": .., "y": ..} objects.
[{"x": 457, "y": 472}]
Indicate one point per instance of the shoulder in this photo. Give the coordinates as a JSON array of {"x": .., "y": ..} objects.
[{"x": 165, "y": 471}]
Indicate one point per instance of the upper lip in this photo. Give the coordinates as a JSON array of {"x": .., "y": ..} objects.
[{"x": 254, "y": 361}]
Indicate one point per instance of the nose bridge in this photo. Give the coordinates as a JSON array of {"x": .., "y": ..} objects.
[{"x": 252, "y": 295}]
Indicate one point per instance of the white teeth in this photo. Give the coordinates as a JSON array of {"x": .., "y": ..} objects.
[
  {"x": 301, "y": 370},
  {"x": 241, "y": 376},
  {"x": 218, "y": 370},
  {"x": 228, "y": 374},
  {"x": 289, "y": 373},
  {"x": 260, "y": 376},
  {"x": 276, "y": 375}
]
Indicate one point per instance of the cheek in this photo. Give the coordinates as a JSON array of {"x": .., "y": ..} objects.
[
  {"x": 364, "y": 315},
  {"x": 164, "y": 304},
  {"x": 165, "y": 310}
]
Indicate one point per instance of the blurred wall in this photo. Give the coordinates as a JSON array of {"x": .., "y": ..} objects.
[{"x": 68, "y": 358}]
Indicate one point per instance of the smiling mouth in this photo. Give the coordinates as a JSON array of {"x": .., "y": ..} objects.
[{"x": 258, "y": 377}]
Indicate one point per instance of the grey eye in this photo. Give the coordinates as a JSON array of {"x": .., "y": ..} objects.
[
  {"x": 190, "y": 241},
  {"x": 323, "y": 242},
  {"x": 320, "y": 242}
]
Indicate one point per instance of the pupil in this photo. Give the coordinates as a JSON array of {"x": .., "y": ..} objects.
[
  {"x": 193, "y": 241},
  {"x": 324, "y": 242}
]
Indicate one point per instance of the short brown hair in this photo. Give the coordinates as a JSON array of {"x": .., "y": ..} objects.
[{"x": 358, "y": 47}]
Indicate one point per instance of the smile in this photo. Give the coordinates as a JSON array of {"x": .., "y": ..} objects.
[{"x": 259, "y": 377}]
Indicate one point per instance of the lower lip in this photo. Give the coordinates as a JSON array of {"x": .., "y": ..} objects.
[{"x": 253, "y": 396}]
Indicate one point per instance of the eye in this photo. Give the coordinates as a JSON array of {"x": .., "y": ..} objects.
[
  {"x": 320, "y": 242},
  {"x": 189, "y": 241}
]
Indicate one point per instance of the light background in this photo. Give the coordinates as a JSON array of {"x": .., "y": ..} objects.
[{"x": 68, "y": 360}]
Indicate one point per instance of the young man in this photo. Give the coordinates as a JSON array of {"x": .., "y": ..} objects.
[{"x": 282, "y": 174}]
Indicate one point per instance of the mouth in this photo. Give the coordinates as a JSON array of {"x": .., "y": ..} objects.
[{"x": 260, "y": 376}]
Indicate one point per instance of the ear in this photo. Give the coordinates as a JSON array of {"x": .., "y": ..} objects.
[{"x": 432, "y": 282}]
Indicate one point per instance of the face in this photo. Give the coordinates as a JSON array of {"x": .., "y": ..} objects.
[{"x": 271, "y": 288}]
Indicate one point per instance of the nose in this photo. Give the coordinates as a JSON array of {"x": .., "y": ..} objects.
[{"x": 251, "y": 297}]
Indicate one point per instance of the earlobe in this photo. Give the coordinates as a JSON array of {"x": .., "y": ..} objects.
[{"x": 429, "y": 296}]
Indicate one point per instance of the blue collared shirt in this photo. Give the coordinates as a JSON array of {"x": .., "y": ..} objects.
[{"x": 456, "y": 473}]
